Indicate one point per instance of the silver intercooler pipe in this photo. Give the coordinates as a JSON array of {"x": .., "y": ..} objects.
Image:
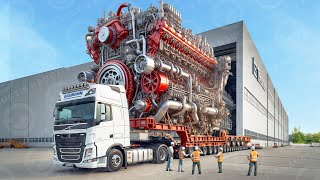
[
  {"x": 168, "y": 105},
  {"x": 194, "y": 113},
  {"x": 210, "y": 110},
  {"x": 184, "y": 107}
]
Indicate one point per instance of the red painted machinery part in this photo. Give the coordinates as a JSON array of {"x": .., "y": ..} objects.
[
  {"x": 155, "y": 82},
  {"x": 148, "y": 105}
]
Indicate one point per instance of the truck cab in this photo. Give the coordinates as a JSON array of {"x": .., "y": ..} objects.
[{"x": 91, "y": 125}]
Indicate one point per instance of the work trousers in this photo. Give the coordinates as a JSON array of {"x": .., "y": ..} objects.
[
  {"x": 180, "y": 165},
  {"x": 220, "y": 166},
  {"x": 193, "y": 166},
  {"x": 169, "y": 163},
  {"x": 255, "y": 164}
]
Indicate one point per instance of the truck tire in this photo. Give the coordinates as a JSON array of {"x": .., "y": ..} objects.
[
  {"x": 160, "y": 154},
  {"x": 114, "y": 160}
]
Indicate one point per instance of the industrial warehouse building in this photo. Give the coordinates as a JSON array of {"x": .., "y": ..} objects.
[{"x": 27, "y": 104}]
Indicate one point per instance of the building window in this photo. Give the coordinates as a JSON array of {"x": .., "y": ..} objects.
[{"x": 255, "y": 70}]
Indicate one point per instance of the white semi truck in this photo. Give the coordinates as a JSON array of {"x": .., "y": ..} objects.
[{"x": 92, "y": 129}]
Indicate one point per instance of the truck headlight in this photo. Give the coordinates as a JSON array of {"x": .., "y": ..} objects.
[{"x": 88, "y": 153}]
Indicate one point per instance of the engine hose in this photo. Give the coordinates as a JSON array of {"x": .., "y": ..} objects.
[{"x": 121, "y": 7}]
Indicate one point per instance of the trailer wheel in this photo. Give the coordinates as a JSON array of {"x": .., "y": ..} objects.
[
  {"x": 160, "y": 154},
  {"x": 210, "y": 150},
  {"x": 204, "y": 150},
  {"x": 215, "y": 149},
  {"x": 114, "y": 160},
  {"x": 191, "y": 149}
]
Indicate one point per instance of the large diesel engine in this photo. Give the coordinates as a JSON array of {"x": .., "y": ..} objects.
[{"x": 169, "y": 73}]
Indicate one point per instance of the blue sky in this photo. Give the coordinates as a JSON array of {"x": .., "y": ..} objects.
[{"x": 38, "y": 36}]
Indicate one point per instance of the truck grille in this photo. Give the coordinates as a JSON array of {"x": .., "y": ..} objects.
[
  {"x": 70, "y": 147},
  {"x": 70, "y": 157},
  {"x": 70, "y": 150}
]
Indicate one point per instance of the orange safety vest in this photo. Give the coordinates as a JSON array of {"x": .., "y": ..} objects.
[
  {"x": 181, "y": 155},
  {"x": 196, "y": 156},
  {"x": 220, "y": 157},
  {"x": 254, "y": 156}
]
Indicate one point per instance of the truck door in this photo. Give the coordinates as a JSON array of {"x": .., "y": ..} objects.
[
  {"x": 105, "y": 128},
  {"x": 119, "y": 128}
]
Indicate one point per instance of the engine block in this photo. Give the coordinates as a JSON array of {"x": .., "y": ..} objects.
[{"x": 169, "y": 73}]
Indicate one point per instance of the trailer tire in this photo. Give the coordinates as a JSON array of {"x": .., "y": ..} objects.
[
  {"x": 210, "y": 150},
  {"x": 114, "y": 160},
  {"x": 160, "y": 154},
  {"x": 204, "y": 150},
  {"x": 190, "y": 150}
]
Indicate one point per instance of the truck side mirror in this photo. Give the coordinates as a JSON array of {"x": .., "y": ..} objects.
[{"x": 54, "y": 112}]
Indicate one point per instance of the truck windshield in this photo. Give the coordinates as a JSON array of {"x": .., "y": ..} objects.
[{"x": 84, "y": 111}]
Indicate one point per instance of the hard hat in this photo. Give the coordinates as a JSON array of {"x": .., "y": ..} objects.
[
  {"x": 221, "y": 148},
  {"x": 196, "y": 148},
  {"x": 172, "y": 143},
  {"x": 183, "y": 148},
  {"x": 253, "y": 148}
]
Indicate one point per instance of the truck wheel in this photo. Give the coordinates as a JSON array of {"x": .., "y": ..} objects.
[
  {"x": 115, "y": 160},
  {"x": 160, "y": 154}
]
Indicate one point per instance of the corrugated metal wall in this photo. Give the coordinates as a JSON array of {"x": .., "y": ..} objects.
[{"x": 26, "y": 105}]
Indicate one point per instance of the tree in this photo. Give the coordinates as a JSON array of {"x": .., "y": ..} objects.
[{"x": 297, "y": 136}]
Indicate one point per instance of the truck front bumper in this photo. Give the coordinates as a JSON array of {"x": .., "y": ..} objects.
[{"x": 90, "y": 165}]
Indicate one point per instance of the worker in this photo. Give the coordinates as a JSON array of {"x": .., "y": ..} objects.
[
  {"x": 182, "y": 155},
  {"x": 253, "y": 157},
  {"x": 170, "y": 157},
  {"x": 219, "y": 156},
  {"x": 195, "y": 156}
]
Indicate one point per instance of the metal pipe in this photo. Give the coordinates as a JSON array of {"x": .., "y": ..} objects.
[
  {"x": 184, "y": 107},
  {"x": 210, "y": 111},
  {"x": 168, "y": 105},
  {"x": 133, "y": 24},
  {"x": 137, "y": 41},
  {"x": 194, "y": 113},
  {"x": 144, "y": 45}
]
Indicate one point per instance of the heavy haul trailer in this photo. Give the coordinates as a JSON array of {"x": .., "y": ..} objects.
[{"x": 208, "y": 144}]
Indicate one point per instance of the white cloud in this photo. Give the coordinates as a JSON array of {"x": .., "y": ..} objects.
[{"x": 23, "y": 50}]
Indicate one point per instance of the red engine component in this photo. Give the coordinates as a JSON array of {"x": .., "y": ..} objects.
[
  {"x": 155, "y": 82},
  {"x": 115, "y": 33},
  {"x": 148, "y": 105},
  {"x": 176, "y": 41},
  {"x": 128, "y": 79},
  {"x": 93, "y": 48}
]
